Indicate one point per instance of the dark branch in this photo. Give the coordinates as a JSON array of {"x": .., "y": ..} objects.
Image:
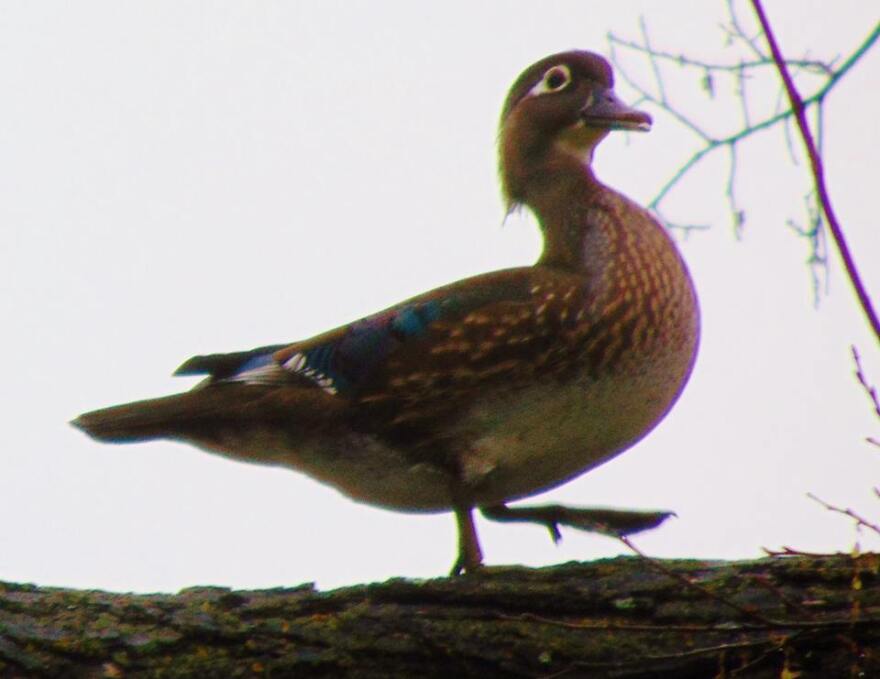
[
  {"x": 798, "y": 109},
  {"x": 626, "y": 617}
]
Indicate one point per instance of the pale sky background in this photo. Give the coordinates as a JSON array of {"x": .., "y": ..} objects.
[{"x": 193, "y": 177}]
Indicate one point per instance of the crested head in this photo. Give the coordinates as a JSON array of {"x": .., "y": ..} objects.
[{"x": 555, "y": 114}]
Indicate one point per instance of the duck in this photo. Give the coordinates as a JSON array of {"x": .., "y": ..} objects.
[{"x": 490, "y": 389}]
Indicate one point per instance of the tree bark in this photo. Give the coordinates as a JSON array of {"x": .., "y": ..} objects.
[{"x": 801, "y": 616}]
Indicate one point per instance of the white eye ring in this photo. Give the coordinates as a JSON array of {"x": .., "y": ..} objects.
[{"x": 554, "y": 80}]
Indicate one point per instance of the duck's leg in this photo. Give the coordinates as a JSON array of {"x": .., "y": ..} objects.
[
  {"x": 614, "y": 522},
  {"x": 470, "y": 556}
]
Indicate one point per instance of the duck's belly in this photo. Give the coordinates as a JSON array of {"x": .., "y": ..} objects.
[
  {"x": 511, "y": 444},
  {"x": 560, "y": 432}
]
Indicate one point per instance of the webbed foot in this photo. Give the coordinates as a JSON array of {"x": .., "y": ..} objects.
[{"x": 612, "y": 522}]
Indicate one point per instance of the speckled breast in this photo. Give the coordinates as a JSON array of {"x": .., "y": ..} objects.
[{"x": 624, "y": 352}]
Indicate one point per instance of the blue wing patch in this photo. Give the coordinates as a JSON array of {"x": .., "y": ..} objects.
[
  {"x": 414, "y": 320},
  {"x": 343, "y": 360},
  {"x": 340, "y": 365}
]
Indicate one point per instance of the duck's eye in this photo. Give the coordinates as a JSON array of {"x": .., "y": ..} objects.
[
  {"x": 554, "y": 80},
  {"x": 557, "y": 78}
]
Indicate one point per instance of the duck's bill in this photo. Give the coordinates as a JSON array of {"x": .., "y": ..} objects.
[{"x": 606, "y": 110}]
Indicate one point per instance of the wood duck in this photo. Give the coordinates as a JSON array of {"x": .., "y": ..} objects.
[{"x": 490, "y": 389}]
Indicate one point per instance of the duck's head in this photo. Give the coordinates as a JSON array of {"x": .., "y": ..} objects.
[{"x": 555, "y": 114}]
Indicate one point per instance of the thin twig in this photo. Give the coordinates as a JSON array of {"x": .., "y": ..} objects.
[
  {"x": 762, "y": 621},
  {"x": 713, "y": 143},
  {"x": 798, "y": 108},
  {"x": 738, "y": 214},
  {"x": 860, "y": 520},
  {"x": 782, "y": 114},
  {"x": 725, "y": 627},
  {"x": 742, "y": 95},
  {"x": 660, "y": 101},
  {"x": 653, "y": 59},
  {"x": 739, "y": 32},
  {"x": 815, "y": 234},
  {"x": 785, "y": 551},
  {"x": 809, "y": 65},
  {"x": 869, "y": 388},
  {"x": 687, "y": 582},
  {"x": 719, "y": 649}
]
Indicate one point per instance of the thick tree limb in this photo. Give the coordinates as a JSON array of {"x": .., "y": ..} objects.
[{"x": 625, "y": 617}]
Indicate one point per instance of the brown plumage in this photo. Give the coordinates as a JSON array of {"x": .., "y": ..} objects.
[{"x": 490, "y": 389}]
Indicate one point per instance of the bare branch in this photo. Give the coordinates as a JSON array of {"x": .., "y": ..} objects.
[
  {"x": 654, "y": 65},
  {"x": 712, "y": 142},
  {"x": 870, "y": 390},
  {"x": 739, "y": 33},
  {"x": 861, "y": 522},
  {"x": 738, "y": 214},
  {"x": 786, "y": 551},
  {"x": 798, "y": 108},
  {"x": 611, "y": 618},
  {"x": 809, "y": 65},
  {"x": 815, "y": 234},
  {"x": 821, "y": 209},
  {"x": 659, "y": 100}
]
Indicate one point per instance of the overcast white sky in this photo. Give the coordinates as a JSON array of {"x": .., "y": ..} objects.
[{"x": 193, "y": 177}]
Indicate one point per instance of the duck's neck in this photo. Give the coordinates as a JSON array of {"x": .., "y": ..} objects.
[{"x": 563, "y": 196}]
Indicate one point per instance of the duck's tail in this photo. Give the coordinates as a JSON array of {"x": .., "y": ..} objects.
[{"x": 155, "y": 418}]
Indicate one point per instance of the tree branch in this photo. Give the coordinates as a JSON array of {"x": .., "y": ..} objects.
[
  {"x": 798, "y": 108},
  {"x": 818, "y": 206},
  {"x": 627, "y": 617},
  {"x": 869, "y": 389}
]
